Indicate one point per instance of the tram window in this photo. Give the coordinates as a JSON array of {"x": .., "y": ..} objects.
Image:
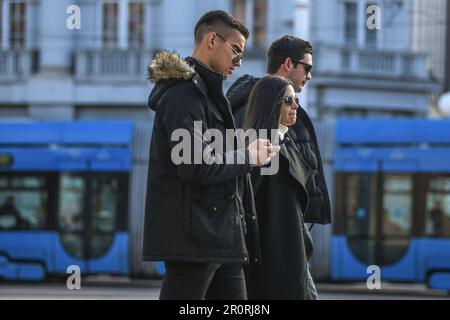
[
  {"x": 397, "y": 206},
  {"x": 360, "y": 205},
  {"x": 105, "y": 189},
  {"x": 70, "y": 213},
  {"x": 371, "y": 243},
  {"x": 438, "y": 207},
  {"x": 105, "y": 199},
  {"x": 3, "y": 183},
  {"x": 27, "y": 182},
  {"x": 73, "y": 243},
  {"x": 71, "y": 200},
  {"x": 88, "y": 221},
  {"x": 100, "y": 244},
  {"x": 393, "y": 249},
  {"x": 23, "y": 203}
]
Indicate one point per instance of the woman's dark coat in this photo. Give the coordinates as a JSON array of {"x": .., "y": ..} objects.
[{"x": 280, "y": 202}]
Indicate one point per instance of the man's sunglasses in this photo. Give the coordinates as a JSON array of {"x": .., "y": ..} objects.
[
  {"x": 239, "y": 56},
  {"x": 289, "y": 100},
  {"x": 306, "y": 67}
]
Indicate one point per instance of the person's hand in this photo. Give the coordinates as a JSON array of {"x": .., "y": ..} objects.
[{"x": 261, "y": 152}]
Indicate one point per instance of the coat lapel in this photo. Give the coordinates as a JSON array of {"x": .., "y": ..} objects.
[{"x": 298, "y": 168}]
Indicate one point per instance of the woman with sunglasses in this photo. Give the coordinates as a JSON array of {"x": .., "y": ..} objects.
[{"x": 281, "y": 199}]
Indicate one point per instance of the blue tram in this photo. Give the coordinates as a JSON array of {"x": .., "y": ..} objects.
[
  {"x": 73, "y": 193},
  {"x": 392, "y": 200},
  {"x": 64, "y": 198}
]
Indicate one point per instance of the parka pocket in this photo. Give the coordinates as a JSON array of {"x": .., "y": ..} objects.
[{"x": 213, "y": 222}]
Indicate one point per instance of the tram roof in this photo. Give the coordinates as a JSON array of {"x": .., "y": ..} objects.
[
  {"x": 118, "y": 132},
  {"x": 392, "y": 132}
]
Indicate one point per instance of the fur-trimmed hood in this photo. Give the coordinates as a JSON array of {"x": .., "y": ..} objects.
[
  {"x": 169, "y": 65},
  {"x": 166, "y": 70}
]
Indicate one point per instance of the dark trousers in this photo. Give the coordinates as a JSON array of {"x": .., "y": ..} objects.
[{"x": 198, "y": 281}]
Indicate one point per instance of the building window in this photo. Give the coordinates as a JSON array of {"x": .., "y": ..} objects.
[
  {"x": 371, "y": 38},
  {"x": 350, "y": 23},
  {"x": 256, "y": 22},
  {"x": 259, "y": 22},
  {"x": 239, "y": 9},
  {"x": 110, "y": 25},
  {"x": 136, "y": 25},
  {"x": 123, "y": 24},
  {"x": 17, "y": 25}
]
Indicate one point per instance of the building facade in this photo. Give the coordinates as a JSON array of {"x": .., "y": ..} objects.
[
  {"x": 364, "y": 72},
  {"x": 429, "y": 24},
  {"x": 50, "y": 71}
]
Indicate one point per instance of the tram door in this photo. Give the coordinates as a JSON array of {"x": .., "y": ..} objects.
[
  {"x": 379, "y": 214},
  {"x": 88, "y": 215}
]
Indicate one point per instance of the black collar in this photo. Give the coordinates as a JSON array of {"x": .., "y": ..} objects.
[
  {"x": 212, "y": 79},
  {"x": 211, "y": 83}
]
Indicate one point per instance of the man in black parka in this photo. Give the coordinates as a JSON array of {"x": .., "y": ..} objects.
[
  {"x": 291, "y": 58},
  {"x": 199, "y": 217}
]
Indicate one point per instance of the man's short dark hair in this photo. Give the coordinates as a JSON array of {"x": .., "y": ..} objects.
[
  {"x": 218, "y": 21},
  {"x": 286, "y": 47}
]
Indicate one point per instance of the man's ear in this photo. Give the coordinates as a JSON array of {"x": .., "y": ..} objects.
[
  {"x": 211, "y": 39},
  {"x": 288, "y": 66}
]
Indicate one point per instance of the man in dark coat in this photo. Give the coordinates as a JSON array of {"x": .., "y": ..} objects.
[
  {"x": 291, "y": 58},
  {"x": 196, "y": 211}
]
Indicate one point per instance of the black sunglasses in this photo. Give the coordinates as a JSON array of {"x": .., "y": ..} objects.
[
  {"x": 239, "y": 56},
  {"x": 289, "y": 100},
  {"x": 306, "y": 67}
]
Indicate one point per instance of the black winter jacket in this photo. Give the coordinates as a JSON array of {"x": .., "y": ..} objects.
[{"x": 195, "y": 212}]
